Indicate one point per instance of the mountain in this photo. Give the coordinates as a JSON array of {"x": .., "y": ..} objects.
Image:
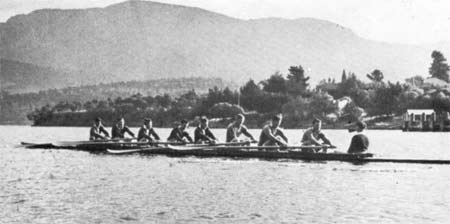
[
  {"x": 140, "y": 40},
  {"x": 20, "y": 77}
]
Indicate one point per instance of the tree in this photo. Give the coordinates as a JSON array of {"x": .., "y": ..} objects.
[
  {"x": 439, "y": 67},
  {"x": 164, "y": 100},
  {"x": 297, "y": 83},
  {"x": 352, "y": 111},
  {"x": 216, "y": 95},
  {"x": 229, "y": 96},
  {"x": 322, "y": 104},
  {"x": 386, "y": 100},
  {"x": 344, "y": 76},
  {"x": 225, "y": 110},
  {"x": 376, "y": 76},
  {"x": 250, "y": 89},
  {"x": 251, "y": 95},
  {"x": 275, "y": 84},
  {"x": 296, "y": 111},
  {"x": 187, "y": 100}
]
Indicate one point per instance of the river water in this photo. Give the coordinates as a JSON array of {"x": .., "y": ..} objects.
[{"x": 60, "y": 186}]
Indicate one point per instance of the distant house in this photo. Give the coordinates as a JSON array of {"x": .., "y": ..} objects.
[
  {"x": 342, "y": 102},
  {"x": 425, "y": 120},
  {"x": 435, "y": 82}
]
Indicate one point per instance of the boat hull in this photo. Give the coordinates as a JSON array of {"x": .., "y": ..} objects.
[
  {"x": 231, "y": 152},
  {"x": 259, "y": 154},
  {"x": 276, "y": 155}
]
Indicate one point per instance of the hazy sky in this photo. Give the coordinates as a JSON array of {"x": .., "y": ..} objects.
[{"x": 402, "y": 21}]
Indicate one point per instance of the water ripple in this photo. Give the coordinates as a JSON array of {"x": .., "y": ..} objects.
[{"x": 41, "y": 186}]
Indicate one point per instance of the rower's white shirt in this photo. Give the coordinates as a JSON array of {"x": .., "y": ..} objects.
[{"x": 145, "y": 128}]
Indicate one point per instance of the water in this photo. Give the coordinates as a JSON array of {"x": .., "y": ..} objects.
[{"x": 51, "y": 186}]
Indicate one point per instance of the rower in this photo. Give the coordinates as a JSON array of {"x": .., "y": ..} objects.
[
  {"x": 203, "y": 134},
  {"x": 360, "y": 142},
  {"x": 146, "y": 132},
  {"x": 235, "y": 129},
  {"x": 314, "y": 135},
  {"x": 179, "y": 133},
  {"x": 271, "y": 134},
  {"x": 119, "y": 129},
  {"x": 97, "y": 130}
]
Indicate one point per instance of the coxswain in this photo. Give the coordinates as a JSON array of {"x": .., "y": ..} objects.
[
  {"x": 203, "y": 134},
  {"x": 314, "y": 136},
  {"x": 97, "y": 130},
  {"x": 360, "y": 142},
  {"x": 236, "y": 129},
  {"x": 146, "y": 132},
  {"x": 119, "y": 129},
  {"x": 272, "y": 135},
  {"x": 179, "y": 133}
]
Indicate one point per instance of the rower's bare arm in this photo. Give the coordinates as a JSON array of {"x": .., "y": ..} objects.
[
  {"x": 272, "y": 137},
  {"x": 102, "y": 130},
  {"x": 246, "y": 133},
  {"x": 313, "y": 139},
  {"x": 96, "y": 135},
  {"x": 188, "y": 138},
  {"x": 211, "y": 135},
  {"x": 156, "y": 136},
  {"x": 127, "y": 130},
  {"x": 324, "y": 139},
  {"x": 284, "y": 137}
]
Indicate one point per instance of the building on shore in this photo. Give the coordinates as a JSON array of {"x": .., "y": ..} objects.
[{"x": 425, "y": 120}]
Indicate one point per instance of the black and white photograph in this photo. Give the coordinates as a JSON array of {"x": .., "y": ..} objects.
[{"x": 224, "y": 111}]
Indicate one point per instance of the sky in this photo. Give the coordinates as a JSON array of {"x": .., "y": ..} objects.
[{"x": 395, "y": 21}]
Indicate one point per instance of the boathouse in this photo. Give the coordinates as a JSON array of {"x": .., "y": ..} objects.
[{"x": 426, "y": 120}]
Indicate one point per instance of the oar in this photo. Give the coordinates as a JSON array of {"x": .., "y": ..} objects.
[
  {"x": 129, "y": 151},
  {"x": 108, "y": 142},
  {"x": 173, "y": 147},
  {"x": 219, "y": 144},
  {"x": 156, "y": 147},
  {"x": 235, "y": 143}
]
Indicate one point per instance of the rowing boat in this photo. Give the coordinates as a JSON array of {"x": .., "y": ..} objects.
[
  {"x": 231, "y": 151},
  {"x": 267, "y": 152}
]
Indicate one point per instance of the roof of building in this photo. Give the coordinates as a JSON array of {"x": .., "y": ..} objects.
[
  {"x": 420, "y": 111},
  {"x": 436, "y": 82}
]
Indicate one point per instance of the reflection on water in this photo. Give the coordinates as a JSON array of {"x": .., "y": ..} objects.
[{"x": 50, "y": 186}]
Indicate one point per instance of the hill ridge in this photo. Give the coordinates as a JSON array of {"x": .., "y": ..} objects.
[{"x": 150, "y": 40}]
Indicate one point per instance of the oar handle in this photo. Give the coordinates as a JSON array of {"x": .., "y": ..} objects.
[
  {"x": 113, "y": 140},
  {"x": 233, "y": 143},
  {"x": 167, "y": 143}
]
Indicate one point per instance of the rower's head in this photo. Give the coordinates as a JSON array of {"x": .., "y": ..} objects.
[
  {"x": 276, "y": 120},
  {"x": 184, "y": 124},
  {"x": 360, "y": 126},
  {"x": 148, "y": 123},
  {"x": 204, "y": 122},
  {"x": 239, "y": 119},
  {"x": 121, "y": 122},
  {"x": 317, "y": 124},
  {"x": 98, "y": 121}
]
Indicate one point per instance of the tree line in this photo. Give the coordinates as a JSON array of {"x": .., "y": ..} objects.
[
  {"x": 332, "y": 101},
  {"x": 14, "y": 107}
]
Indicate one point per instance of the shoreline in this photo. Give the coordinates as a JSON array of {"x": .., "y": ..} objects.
[{"x": 215, "y": 127}]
